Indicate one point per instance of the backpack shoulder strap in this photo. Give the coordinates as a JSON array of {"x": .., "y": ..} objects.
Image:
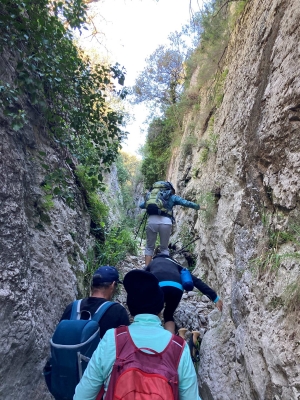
[
  {"x": 176, "y": 348},
  {"x": 75, "y": 313},
  {"x": 101, "y": 310},
  {"x": 121, "y": 337}
]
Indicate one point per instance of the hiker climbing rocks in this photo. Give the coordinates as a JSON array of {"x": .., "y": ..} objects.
[
  {"x": 159, "y": 203},
  {"x": 144, "y": 359},
  {"x": 82, "y": 325},
  {"x": 168, "y": 273}
]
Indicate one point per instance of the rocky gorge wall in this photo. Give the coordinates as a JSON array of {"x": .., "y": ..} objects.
[
  {"x": 252, "y": 351},
  {"x": 42, "y": 247}
]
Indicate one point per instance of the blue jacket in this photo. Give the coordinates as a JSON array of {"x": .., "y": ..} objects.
[{"x": 175, "y": 200}]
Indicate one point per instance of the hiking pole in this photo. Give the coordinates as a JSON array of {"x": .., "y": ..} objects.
[
  {"x": 140, "y": 225},
  {"x": 180, "y": 250}
]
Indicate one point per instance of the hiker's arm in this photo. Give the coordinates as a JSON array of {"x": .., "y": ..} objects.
[
  {"x": 219, "y": 303},
  {"x": 98, "y": 369},
  {"x": 188, "y": 386},
  {"x": 205, "y": 289},
  {"x": 179, "y": 201}
]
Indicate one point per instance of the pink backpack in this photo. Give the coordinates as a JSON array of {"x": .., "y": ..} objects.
[{"x": 137, "y": 375}]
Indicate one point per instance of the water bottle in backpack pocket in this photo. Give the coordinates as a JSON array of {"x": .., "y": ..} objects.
[
  {"x": 72, "y": 346},
  {"x": 186, "y": 279}
]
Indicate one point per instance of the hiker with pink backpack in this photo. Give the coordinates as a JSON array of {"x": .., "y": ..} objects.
[{"x": 142, "y": 361}]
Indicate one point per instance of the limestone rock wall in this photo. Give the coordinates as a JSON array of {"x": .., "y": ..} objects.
[
  {"x": 42, "y": 249},
  {"x": 253, "y": 351}
]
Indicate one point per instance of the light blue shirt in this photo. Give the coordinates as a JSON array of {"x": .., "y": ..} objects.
[{"x": 146, "y": 331}]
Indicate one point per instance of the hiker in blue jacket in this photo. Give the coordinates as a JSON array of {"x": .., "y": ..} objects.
[
  {"x": 145, "y": 300},
  {"x": 161, "y": 222},
  {"x": 167, "y": 271}
]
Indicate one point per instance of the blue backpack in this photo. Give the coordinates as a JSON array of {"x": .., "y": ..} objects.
[{"x": 72, "y": 346}]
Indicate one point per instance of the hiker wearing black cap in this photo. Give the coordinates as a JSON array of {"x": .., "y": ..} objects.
[
  {"x": 103, "y": 287},
  {"x": 143, "y": 358},
  {"x": 160, "y": 211},
  {"x": 168, "y": 273}
]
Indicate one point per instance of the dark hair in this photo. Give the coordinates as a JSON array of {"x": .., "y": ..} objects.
[{"x": 103, "y": 285}]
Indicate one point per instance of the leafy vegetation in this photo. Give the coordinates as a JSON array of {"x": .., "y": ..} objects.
[
  {"x": 98, "y": 211},
  {"x": 56, "y": 184},
  {"x": 157, "y": 151},
  {"x": 291, "y": 296},
  {"x": 75, "y": 100},
  {"x": 161, "y": 80},
  {"x": 117, "y": 243},
  {"x": 66, "y": 90},
  {"x": 189, "y": 143},
  {"x": 129, "y": 176},
  {"x": 272, "y": 255},
  {"x": 207, "y": 200}
]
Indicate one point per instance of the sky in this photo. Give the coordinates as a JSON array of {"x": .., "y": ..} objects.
[{"x": 132, "y": 30}]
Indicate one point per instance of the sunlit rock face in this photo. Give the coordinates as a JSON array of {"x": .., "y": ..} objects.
[{"x": 253, "y": 350}]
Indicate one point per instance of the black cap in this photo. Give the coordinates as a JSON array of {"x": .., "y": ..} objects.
[{"x": 144, "y": 295}]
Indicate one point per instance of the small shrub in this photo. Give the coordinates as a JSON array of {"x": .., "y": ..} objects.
[
  {"x": 203, "y": 155},
  {"x": 275, "y": 302},
  {"x": 118, "y": 242},
  {"x": 217, "y": 89},
  {"x": 189, "y": 143},
  {"x": 47, "y": 202},
  {"x": 97, "y": 210},
  {"x": 272, "y": 258},
  {"x": 195, "y": 172},
  {"x": 207, "y": 200},
  {"x": 89, "y": 183},
  {"x": 292, "y": 296}
]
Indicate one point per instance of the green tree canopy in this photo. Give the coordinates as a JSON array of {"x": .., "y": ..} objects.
[{"x": 160, "y": 82}]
